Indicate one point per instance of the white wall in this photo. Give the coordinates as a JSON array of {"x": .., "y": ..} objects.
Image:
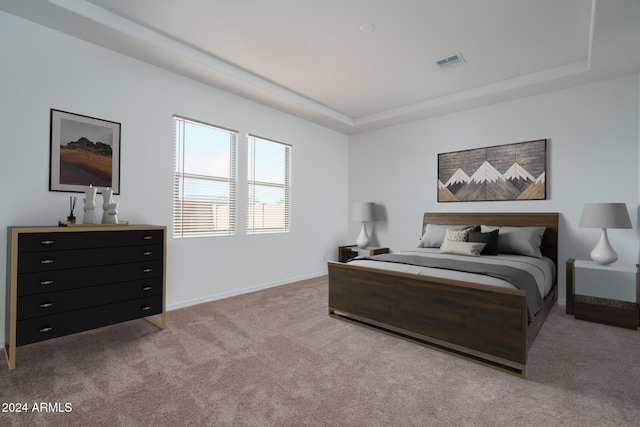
[
  {"x": 43, "y": 69},
  {"x": 592, "y": 157}
]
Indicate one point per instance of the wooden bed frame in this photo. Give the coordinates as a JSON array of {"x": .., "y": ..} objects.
[{"x": 484, "y": 323}]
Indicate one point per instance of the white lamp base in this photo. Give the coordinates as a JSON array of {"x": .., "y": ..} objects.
[
  {"x": 603, "y": 253},
  {"x": 363, "y": 239}
]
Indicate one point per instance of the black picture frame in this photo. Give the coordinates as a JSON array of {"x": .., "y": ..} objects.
[{"x": 84, "y": 151}]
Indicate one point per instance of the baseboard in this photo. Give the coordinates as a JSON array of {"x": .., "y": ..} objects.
[{"x": 215, "y": 297}]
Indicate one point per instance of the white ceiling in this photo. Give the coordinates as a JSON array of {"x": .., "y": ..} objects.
[{"x": 309, "y": 57}]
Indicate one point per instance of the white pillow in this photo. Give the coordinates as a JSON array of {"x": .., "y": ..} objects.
[{"x": 461, "y": 248}]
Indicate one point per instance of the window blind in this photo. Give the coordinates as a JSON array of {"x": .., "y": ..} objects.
[
  {"x": 269, "y": 186},
  {"x": 205, "y": 179}
]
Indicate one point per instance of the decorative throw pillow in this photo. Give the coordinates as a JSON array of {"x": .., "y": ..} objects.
[
  {"x": 461, "y": 248},
  {"x": 518, "y": 240},
  {"x": 457, "y": 235},
  {"x": 490, "y": 239},
  {"x": 434, "y": 234}
]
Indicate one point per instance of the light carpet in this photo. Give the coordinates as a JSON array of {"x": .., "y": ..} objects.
[{"x": 275, "y": 358}]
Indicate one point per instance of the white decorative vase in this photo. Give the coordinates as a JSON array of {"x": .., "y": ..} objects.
[
  {"x": 89, "y": 206},
  {"x": 111, "y": 212},
  {"x": 107, "y": 195}
]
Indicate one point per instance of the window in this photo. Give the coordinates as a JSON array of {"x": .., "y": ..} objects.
[
  {"x": 269, "y": 186},
  {"x": 204, "y": 195}
]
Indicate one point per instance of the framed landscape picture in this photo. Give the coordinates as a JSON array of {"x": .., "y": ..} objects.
[
  {"x": 84, "y": 151},
  {"x": 502, "y": 172}
]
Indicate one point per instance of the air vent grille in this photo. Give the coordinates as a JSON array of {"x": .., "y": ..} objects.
[{"x": 450, "y": 61}]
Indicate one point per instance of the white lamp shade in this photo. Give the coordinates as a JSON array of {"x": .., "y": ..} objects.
[
  {"x": 605, "y": 215},
  {"x": 362, "y": 211}
]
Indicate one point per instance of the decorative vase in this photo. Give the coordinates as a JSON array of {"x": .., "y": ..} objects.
[
  {"x": 107, "y": 195},
  {"x": 111, "y": 212},
  {"x": 89, "y": 206}
]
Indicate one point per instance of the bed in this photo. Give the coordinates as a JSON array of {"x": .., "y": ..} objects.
[{"x": 470, "y": 318}]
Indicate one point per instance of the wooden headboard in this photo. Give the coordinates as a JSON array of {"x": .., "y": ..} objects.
[{"x": 514, "y": 219}]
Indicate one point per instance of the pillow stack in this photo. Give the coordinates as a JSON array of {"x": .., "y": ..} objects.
[
  {"x": 456, "y": 242},
  {"x": 476, "y": 240}
]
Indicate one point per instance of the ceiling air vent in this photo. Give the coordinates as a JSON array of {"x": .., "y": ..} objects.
[{"x": 450, "y": 61}]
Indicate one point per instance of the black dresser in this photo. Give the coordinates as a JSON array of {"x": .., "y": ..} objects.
[{"x": 63, "y": 280}]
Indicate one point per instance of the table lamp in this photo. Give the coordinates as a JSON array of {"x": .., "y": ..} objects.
[
  {"x": 362, "y": 211},
  {"x": 604, "y": 215}
]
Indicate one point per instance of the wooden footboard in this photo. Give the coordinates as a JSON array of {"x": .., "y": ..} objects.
[{"x": 483, "y": 323}]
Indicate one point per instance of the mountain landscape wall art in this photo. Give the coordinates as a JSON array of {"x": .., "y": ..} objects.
[{"x": 503, "y": 172}]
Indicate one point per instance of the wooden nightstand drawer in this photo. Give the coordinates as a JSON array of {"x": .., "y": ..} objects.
[
  {"x": 610, "y": 312},
  {"x": 57, "y": 325}
]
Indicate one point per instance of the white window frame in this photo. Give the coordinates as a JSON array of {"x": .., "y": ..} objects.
[
  {"x": 273, "y": 217},
  {"x": 199, "y": 217}
]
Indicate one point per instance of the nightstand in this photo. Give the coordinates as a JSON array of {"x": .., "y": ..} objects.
[
  {"x": 592, "y": 278},
  {"x": 345, "y": 253}
]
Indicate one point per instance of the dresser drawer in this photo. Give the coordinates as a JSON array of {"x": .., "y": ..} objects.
[
  {"x": 57, "y": 325},
  {"x": 59, "y": 280},
  {"x": 59, "y": 260},
  {"x": 34, "y": 242},
  {"x": 75, "y": 299}
]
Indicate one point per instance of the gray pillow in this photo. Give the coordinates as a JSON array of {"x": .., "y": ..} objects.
[
  {"x": 518, "y": 240},
  {"x": 434, "y": 234}
]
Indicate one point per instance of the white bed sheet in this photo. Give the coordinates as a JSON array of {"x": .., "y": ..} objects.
[{"x": 542, "y": 269}]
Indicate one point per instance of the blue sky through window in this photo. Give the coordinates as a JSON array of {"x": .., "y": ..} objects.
[
  {"x": 208, "y": 153},
  {"x": 267, "y": 164}
]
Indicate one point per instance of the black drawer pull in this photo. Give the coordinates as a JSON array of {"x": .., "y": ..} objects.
[
  {"x": 147, "y": 288},
  {"x": 46, "y": 282},
  {"x": 147, "y": 270},
  {"x": 46, "y": 261},
  {"x": 47, "y": 329},
  {"x": 47, "y": 242},
  {"x": 46, "y": 305},
  {"x": 146, "y": 308},
  {"x": 148, "y": 237},
  {"x": 147, "y": 253}
]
